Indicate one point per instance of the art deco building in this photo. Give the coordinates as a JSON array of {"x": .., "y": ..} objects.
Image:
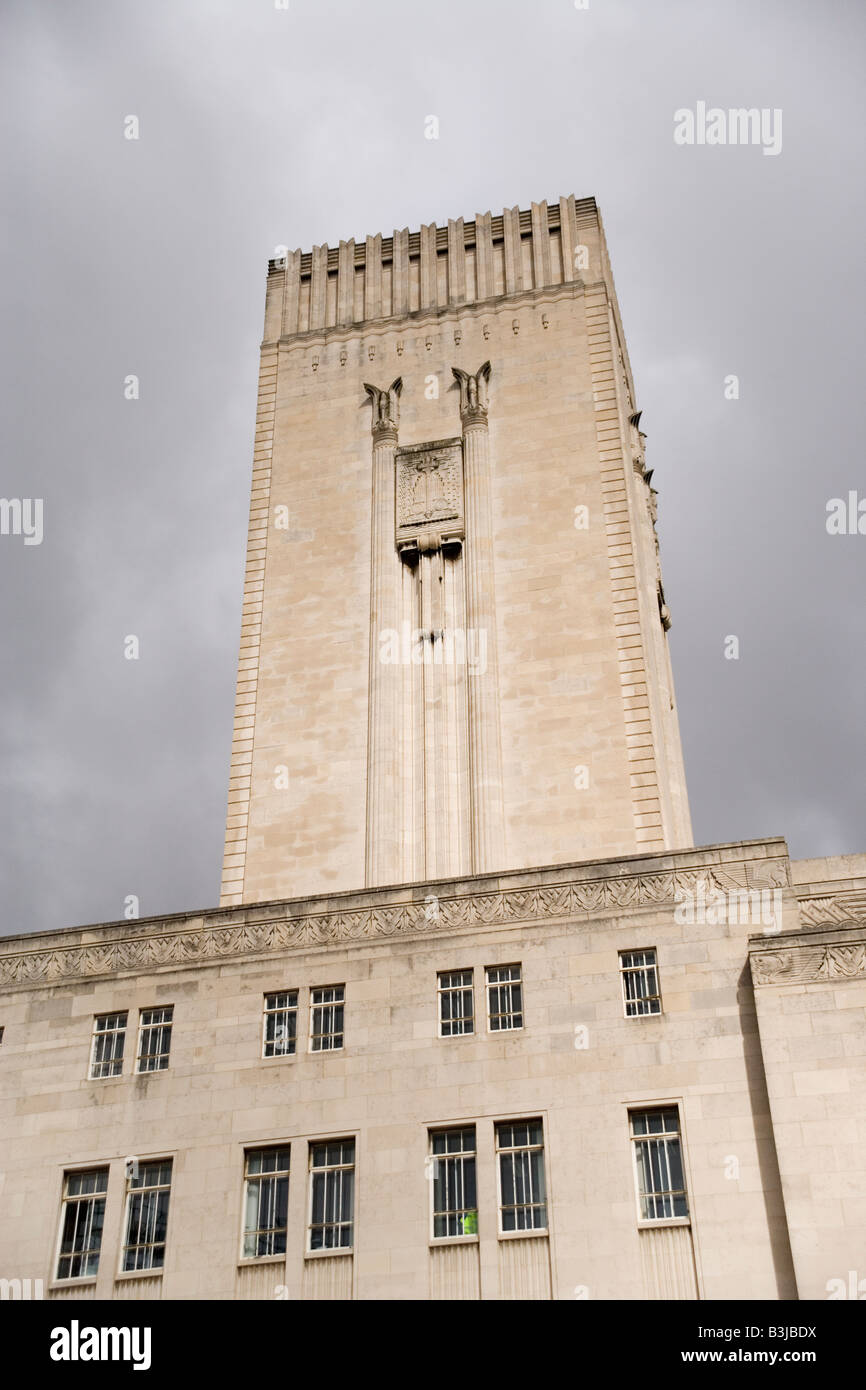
[{"x": 474, "y": 1019}]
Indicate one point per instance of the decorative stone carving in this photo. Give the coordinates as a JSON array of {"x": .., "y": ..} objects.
[
  {"x": 386, "y": 407},
  {"x": 429, "y": 495},
  {"x": 473, "y": 394},
  {"x": 797, "y": 965},
  {"x": 835, "y": 908},
  {"x": 152, "y": 946}
]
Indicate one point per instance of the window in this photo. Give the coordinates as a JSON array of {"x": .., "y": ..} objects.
[
  {"x": 280, "y": 1024},
  {"x": 452, "y": 1163},
  {"x": 522, "y": 1196},
  {"x": 154, "y": 1038},
  {"x": 81, "y": 1222},
  {"x": 2, "y": 1031},
  {"x": 326, "y": 1018},
  {"x": 266, "y": 1202},
  {"x": 148, "y": 1191},
  {"x": 640, "y": 983},
  {"x": 504, "y": 998},
  {"x": 109, "y": 1037},
  {"x": 332, "y": 1194},
  {"x": 661, "y": 1186},
  {"x": 456, "y": 1003}
]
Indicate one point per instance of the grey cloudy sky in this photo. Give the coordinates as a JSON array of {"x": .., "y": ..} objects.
[{"x": 260, "y": 127}]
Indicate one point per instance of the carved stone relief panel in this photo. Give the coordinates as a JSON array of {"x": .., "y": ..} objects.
[{"x": 429, "y": 495}]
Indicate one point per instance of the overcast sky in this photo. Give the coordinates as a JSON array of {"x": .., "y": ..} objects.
[{"x": 261, "y": 126}]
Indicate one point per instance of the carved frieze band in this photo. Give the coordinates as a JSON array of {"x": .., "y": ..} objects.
[
  {"x": 834, "y": 908},
  {"x": 803, "y": 964},
  {"x": 388, "y": 920}
]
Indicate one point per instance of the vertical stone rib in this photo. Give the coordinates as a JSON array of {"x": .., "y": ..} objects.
[
  {"x": 568, "y": 238},
  {"x": 400, "y": 284},
  {"x": 428, "y": 266},
  {"x": 484, "y": 256},
  {"x": 345, "y": 283},
  {"x": 291, "y": 293},
  {"x": 485, "y": 750},
  {"x": 318, "y": 285},
  {"x": 384, "y": 743},
  {"x": 513, "y": 256},
  {"x": 540, "y": 246},
  {"x": 373, "y": 278},
  {"x": 456, "y": 262}
]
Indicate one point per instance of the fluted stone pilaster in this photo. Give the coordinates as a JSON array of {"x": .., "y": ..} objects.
[
  {"x": 383, "y": 856},
  {"x": 485, "y": 749}
]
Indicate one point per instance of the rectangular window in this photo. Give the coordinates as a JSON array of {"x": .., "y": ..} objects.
[
  {"x": 81, "y": 1223},
  {"x": 148, "y": 1191},
  {"x": 522, "y": 1194},
  {"x": 452, "y": 1161},
  {"x": 661, "y": 1186},
  {"x": 456, "y": 1003},
  {"x": 109, "y": 1038},
  {"x": 266, "y": 1202},
  {"x": 326, "y": 1018},
  {"x": 640, "y": 983},
  {"x": 280, "y": 1024},
  {"x": 154, "y": 1038},
  {"x": 332, "y": 1194},
  {"x": 504, "y": 998}
]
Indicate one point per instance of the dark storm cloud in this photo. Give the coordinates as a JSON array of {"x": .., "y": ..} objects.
[{"x": 260, "y": 127}]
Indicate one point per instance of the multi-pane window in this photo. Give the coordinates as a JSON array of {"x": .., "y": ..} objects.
[
  {"x": 640, "y": 983},
  {"x": 148, "y": 1190},
  {"x": 81, "y": 1223},
  {"x": 266, "y": 1202},
  {"x": 452, "y": 1164},
  {"x": 661, "y": 1184},
  {"x": 504, "y": 997},
  {"x": 109, "y": 1037},
  {"x": 279, "y": 1037},
  {"x": 456, "y": 1003},
  {"x": 154, "y": 1038},
  {"x": 522, "y": 1194},
  {"x": 332, "y": 1194},
  {"x": 326, "y": 1018}
]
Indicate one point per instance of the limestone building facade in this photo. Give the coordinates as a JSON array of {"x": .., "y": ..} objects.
[{"x": 474, "y": 1018}]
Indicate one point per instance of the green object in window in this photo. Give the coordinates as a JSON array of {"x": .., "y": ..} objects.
[{"x": 470, "y": 1223}]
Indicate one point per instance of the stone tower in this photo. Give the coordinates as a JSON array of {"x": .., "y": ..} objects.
[{"x": 454, "y": 656}]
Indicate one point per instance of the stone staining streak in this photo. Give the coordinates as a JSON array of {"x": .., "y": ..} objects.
[
  {"x": 384, "y": 746},
  {"x": 485, "y": 752}
]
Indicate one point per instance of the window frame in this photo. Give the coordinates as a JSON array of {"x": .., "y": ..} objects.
[
  {"x": 324, "y": 1251},
  {"x": 285, "y": 1009},
  {"x": 652, "y": 1222},
  {"x": 152, "y": 1028},
  {"x": 526, "y": 1231},
  {"x": 456, "y": 989},
  {"x": 98, "y": 1033},
  {"x": 139, "y": 1270},
  {"x": 465, "y": 1237},
  {"x": 65, "y": 1202},
  {"x": 509, "y": 985},
  {"x": 329, "y": 1004},
  {"x": 258, "y": 1178},
  {"x": 625, "y": 970}
]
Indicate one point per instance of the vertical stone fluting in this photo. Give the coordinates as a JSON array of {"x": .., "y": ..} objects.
[
  {"x": 485, "y": 751},
  {"x": 383, "y": 855}
]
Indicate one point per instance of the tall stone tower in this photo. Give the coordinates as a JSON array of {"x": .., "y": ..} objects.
[{"x": 454, "y": 656}]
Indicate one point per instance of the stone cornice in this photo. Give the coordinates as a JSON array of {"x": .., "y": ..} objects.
[{"x": 250, "y": 930}]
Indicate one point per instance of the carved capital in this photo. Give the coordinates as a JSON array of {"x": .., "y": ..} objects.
[
  {"x": 473, "y": 394},
  {"x": 386, "y": 410}
]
